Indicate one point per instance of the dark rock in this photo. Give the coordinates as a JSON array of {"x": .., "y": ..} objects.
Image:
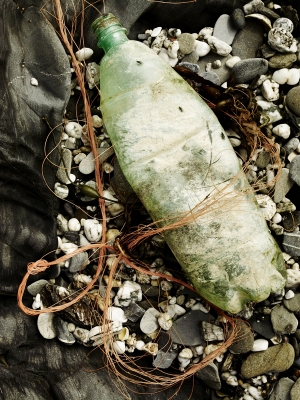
[
  {"x": 282, "y": 61},
  {"x": 293, "y": 304},
  {"x": 246, "y": 70},
  {"x": 283, "y": 185},
  {"x": 244, "y": 340},
  {"x": 164, "y": 341},
  {"x": 62, "y": 331},
  {"x": 210, "y": 375},
  {"x": 134, "y": 312},
  {"x": 262, "y": 324},
  {"x": 223, "y": 72},
  {"x": 291, "y": 220},
  {"x": 282, "y": 389},
  {"x": 238, "y": 18},
  {"x": 293, "y": 100},
  {"x": 150, "y": 291},
  {"x": 295, "y": 344},
  {"x": 248, "y": 40},
  {"x": 71, "y": 236},
  {"x": 283, "y": 321},
  {"x": 295, "y": 170},
  {"x": 291, "y": 243},
  {"x": 193, "y": 67},
  {"x": 277, "y": 358},
  {"x": 267, "y": 51}
]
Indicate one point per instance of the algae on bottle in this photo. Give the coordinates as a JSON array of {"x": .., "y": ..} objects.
[{"x": 176, "y": 156}]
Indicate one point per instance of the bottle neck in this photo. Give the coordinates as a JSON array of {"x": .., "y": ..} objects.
[{"x": 109, "y": 32}]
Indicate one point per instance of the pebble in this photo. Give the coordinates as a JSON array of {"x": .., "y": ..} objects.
[
  {"x": 246, "y": 70},
  {"x": 270, "y": 90},
  {"x": 282, "y": 389},
  {"x": 295, "y": 391},
  {"x": 224, "y": 29},
  {"x": 63, "y": 333},
  {"x": 244, "y": 341},
  {"x": 293, "y": 303},
  {"x": 149, "y": 323},
  {"x": 281, "y": 40},
  {"x": 219, "y": 46},
  {"x": 74, "y": 225},
  {"x": 211, "y": 76},
  {"x": 45, "y": 325},
  {"x": 185, "y": 330},
  {"x": 34, "y": 82},
  {"x": 68, "y": 248},
  {"x": 295, "y": 170},
  {"x": 210, "y": 376},
  {"x": 71, "y": 236},
  {"x": 281, "y": 76},
  {"x": 35, "y": 287},
  {"x": 284, "y": 23},
  {"x": 291, "y": 145},
  {"x": 74, "y": 129},
  {"x": 164, "y": 360},
  {"x": 282, "y": 60},
  {"x": 223, "y": 72},
  {"x": 82, "y": 335},
  {"x": 79, "y": 262},
  {"x": 260, "y": 345},
  {"x": 193, "y": 67},
  {"x": 64, "y": 171},
  {"x": 238, "y": 18},
  {"x": 211, "y": 332},
  {"x": 87, "y": 165},
  {"x": 92, "y": 230},
  {"x": 293, "y": 100},
  {"x": 248, "y": 40},
  {"x": 61, "y": 191},
  {"x": 186, "y": 43},
  {"x": 263, "y": 159},
  {"x": 84, "y": 54},
  {"x": 277, "y": 358},
  {"x": 283, "y": 321},
  {"x": 156, "y": 31},
  {"x": 263, "y": 326},
  {"x": 116, "y": 314},
  {"x": 283, "y": 185},
  {"x": 201, "y": 48},
  {"x": 232, "y": 61}
]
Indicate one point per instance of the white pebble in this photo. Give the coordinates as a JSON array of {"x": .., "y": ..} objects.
[
  {"x": 201, "y": 48},
  {"x": 205, "y": 33},
  {"x": 232, "y": 381},
  {"x": 282, "y": 130},
  {"x": 74, "y": 225},
  {"x": 81, "y": 334},
  {"x": 293, "y": 78},
  {"x": 37, "y": 302},
  {"x": 45, "y": 325},
  {"x": 285, "y": 23},
  {"x": 277, "y": 217},
  {"x": 140, "y": 345},
  {"x": 109, "y": 196},
  {"x": 289, "y": 294},
  {"x": 165, "y": 322},
  {"x": 232, "y": 61},
  {"x": 115, "y": 209},
  {"x": 61, "y": 190},
  {"x": 281, "y": 40},
  {"x": 255, "y": 393},
  {"x": 71, "y": 327},
  {"x": 74, "y": 129},
  {"x": 260, "y": 345},
  {"x": 156, "y": 31},
  {"x": 84, "y": 54},
  {"x": 34, "y": 82},
  {"x": 92, "y": 230},
  {"x": 270, "y": 90},
  {"x": 281, "y": 76},
  {"x": 62, "y": 223},
  {"x": 116, "y": 314},
  {"x": 174, "y": 32},
  {"x": 173, "y": 49},
  {"x": 68, "y": 248},
  {"x": 97, "y": 121},
  {"x": 119, "y": 347},
  {"x": 218, "y": 46},
  {"x": 130, "y": 290},
  {"x": 79, "y": 157},
  {"x": 293, "y": 277}
]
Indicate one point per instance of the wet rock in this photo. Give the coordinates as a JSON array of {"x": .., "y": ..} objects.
[
  {"x": 291, "y": 243},
  {"x": 248, "y": 40},
  {"x": 238, "y": 18},
  {"x": 282, "y": 60},
  {"x": 283, "y": 321},
  {"x": 282, "y": 389},
  {"x": 244, "y": 341},
  {"x": 295, "y": 390},
  {"x": 283, "y": 185},
  {"x": 210, "y": 375},
  {"x": 224, "y": 29},
  {"x": 278, "y": 358},
  {"x": 293, "y": 304},
  {"x": 246, "y": 70}
]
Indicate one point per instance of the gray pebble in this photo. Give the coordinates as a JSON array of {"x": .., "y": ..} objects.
[
  {"x": 267, "y": 51},
  {"x": 245, "y": 339},
  {"x": 63, "y": 334},
  {"x": 186, "y": 43},
  {"x": 87, "y": 165},
  {"x": 293, "y": 304},
  {"x": 295, "y": 170},
  {"x": 257, "y": 6},
  {"x": 223, "y": 72},
  {"x": 263, "y": 159},
  {"x": 284, "y": 23},
  {"x": 193, "y": 57},
  {"x": 36, "y": 287},
  {"x": 262, "y": 324},
  {"x": 238, "y": 18},
  {"x": 248, "y": 40},
  {"x": 246, "y": 70},
  {"x": 133, "y": 312},
  {"x": 79, "y": 262},
  {"x": 283, "y": 185},
  {"x": 283, "y": 321},
  {"x": 193, "y": 67},
  {"x": 224, "y": 29},
  {"x": 149, "y": 322},
  {"x": 295, "y": 391},
  {"x": 210, "y": 76},
  {"x": 64, "y": 170},
  {"x": 210, "y": 376},
  {"x": 279, "y": 61},
  {"x": 293, "y": 100},
  {"x": 282, "y": 389},
  {"x": 291, "y": 145},
  {"x": 291, "y": 243},
  {"x": 164, "y": 360}
]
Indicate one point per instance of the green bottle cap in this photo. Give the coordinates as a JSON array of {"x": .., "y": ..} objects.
[{"x": 108, "y": 31}]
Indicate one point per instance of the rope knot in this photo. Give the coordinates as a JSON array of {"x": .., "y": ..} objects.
[{"x": 35, "y": 268}]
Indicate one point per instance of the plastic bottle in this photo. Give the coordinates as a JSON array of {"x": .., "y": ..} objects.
[{"x": 176, "y": 156}]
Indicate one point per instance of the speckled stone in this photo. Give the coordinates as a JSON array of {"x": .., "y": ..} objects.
[
  {"x": 291, "y": 145},
  {"x": 282, "y": 60},
  {"x": 35, "y": 287},
  {"x": 293, "y": 304},
  {"x": 283, "y": 321},
  {"x": 193, "y": 57},
  {"x": 245, "y": 70},
  {"x": 248, "y": 40},
  {"x": 277, "y": 358},
  {"x": 295, "y": 391},
  {"x": 293, "y": 100},
  {"x": 282, "y": 389},
  {"x": 238, "y": 18},
  {"x": 186, "y": 43},
  {"x": 79, "y": 262}
]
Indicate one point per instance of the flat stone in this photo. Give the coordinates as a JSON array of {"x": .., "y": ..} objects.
[
  {"x": 295, "y": 170},
  {"x": 192, "y": 66},
  {"x": 277, "y": 358},
  {"x": 79, "y": 262},
  {"x": 45, "y": 325},
  {"x": 224, "y": 29},
  {"x": 223, "y": 72},
  {"x": 164, "y": 341},
  {"x": 35, "y": 287},
  {"x": 149, "y": 322},
  {"x": 186, "y": 43},
  {"x": 283, "y": 321},
  {"x": 186, "y": 330},
  {"x": 63, "y": 334},
  {"x": 133, "y": 312},
  {"x": 282, "y": 389},
  {"x": 164, "y": 360},
  {"x": 210, "y": 376},
  {"x": 291, "y": 243},
  {"x": 150, "y": 291},
  {"x": 210, "y": 76},
  {"x": 293, "y": 100},
  {"x": 293, "y": 304},
  {"x": 262, "y": 324},
  {"x": 263, "y": 159},
  {"x": 282, "y": 60},
  {"x": 248, "y": 40},
  {"x": 244, "y": 340},
  {"x": 283, "y": 185},
  {"x": 245, "y": 70},
  {"x": 295, "y": 391},
  {"x": 238, "y": 18}
]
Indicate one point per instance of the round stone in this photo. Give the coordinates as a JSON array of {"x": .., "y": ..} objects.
[
  {"x": 293, "y": 100},
  {"x": 186, "y": 43},
  {"x": 295, "y": 170},
  {"x": 282, "y": 60},
  {"x": 246, "y": 70},
  {"x": 238, "y": 18}
]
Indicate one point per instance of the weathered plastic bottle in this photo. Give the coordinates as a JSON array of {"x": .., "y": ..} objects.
[{"x": 174, "y": 153}]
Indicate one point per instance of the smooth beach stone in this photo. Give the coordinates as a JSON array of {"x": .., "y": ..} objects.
[
  {"x": 87, "y": 165},
  {"x": 291, "y": 220},
  {"x": 164, "y": 360},
  {"x": 291, "y": 145},
  {"x": 243, "y": 343},
  {"x": 64, "y": 170},
  {"x": 224, "y": 29},
  {"x": 293, "y": 304},
  {"x": 295, "y": 390},
  {"x": 45, "y": 325},
  {"x": 293, "y": 100},
  {"x": 263, "y": 159},
  {"x": 149, "y": 322},
  {"x": 36, "y": 287},
  {"x": 219, "y": 46},
  {"x": 238, "y": 18},
  {"x": 63, "y": 333},
  {"x": 263, "y": 326},
  {"x": 279, "y": 61},
  {"x": 282, "y": 389},
  {"x": 277, "y": 358},
  {"x": 79, "y": 262},
  {"x": 283, "y": 321},
  {"x": 283, "y": 185},
  {"x": 192, "y": 58},
  {"x": 210, "y": 76},
  {"x": 248, "y": 40},
  {"x": 186, "y": 43},
  {"x": 246, "y": 70},
  {"x": 210, "y": 376},
  {"x": 295, "y": 170}
]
